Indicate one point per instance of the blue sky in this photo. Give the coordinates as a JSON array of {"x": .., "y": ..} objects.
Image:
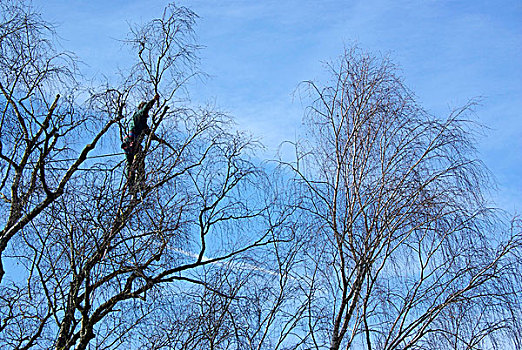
[{"x": 257, "y": 52}]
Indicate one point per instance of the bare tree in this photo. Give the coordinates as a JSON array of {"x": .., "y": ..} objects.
[
  {"x": 95, "y": 253},
  {"x": 404, "y": 252}
]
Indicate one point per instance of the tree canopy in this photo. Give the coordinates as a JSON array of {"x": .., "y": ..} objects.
[{"x": 377, "y": 235}]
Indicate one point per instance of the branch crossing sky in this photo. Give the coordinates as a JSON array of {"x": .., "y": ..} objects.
[{"x": 257, "y": 52}]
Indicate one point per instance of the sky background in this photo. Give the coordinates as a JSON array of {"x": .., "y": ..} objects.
[{"x": 257, "y": 52}]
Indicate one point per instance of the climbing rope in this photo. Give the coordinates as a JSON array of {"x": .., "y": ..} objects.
[
  {"x": 89, "y": 157},
  {"x": 73, "y": 159}
]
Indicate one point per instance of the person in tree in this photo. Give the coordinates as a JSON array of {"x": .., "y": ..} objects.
[{"x": 132, "y": 142}]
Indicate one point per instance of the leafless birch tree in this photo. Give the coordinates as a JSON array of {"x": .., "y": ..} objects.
[
  {"x": 91, "y": 258},
  {"x": 404, "y": 252}
]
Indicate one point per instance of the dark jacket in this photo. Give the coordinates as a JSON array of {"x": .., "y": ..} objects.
[
  {"x": 138, "y": 127},
  {"x": 138, "y": 123}
]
